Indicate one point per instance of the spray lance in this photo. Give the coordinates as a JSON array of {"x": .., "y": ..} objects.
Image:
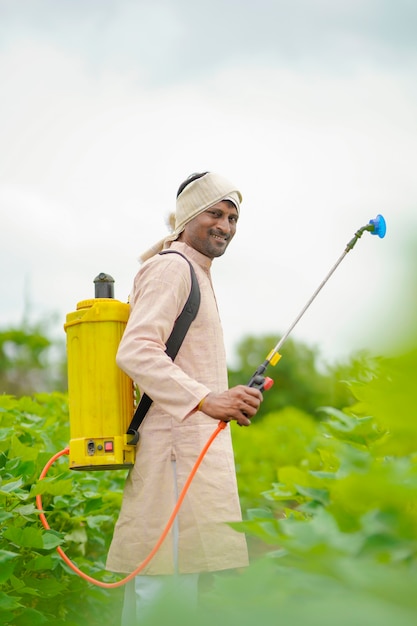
[
  {"x": 376, "y": 226},
  {"x": 104, "y": 291}
]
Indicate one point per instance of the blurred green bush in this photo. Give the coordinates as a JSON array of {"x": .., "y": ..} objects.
[
  {"x": 332, "y": 502},
  {"x": 36, "y": 587}
]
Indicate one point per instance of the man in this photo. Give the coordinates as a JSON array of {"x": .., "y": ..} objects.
[{"x": 188, "y": 395}]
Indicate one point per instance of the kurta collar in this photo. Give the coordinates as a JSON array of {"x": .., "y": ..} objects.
[{"x": 194, "y": 255}]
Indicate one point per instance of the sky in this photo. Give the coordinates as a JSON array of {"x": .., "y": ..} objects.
[{"x": 309, "y": 106}]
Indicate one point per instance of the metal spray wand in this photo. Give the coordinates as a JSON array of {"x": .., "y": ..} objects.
[{"x": 376, "y": 226}]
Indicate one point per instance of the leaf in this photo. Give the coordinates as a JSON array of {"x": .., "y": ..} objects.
[
  {"x": 4, "y": 515},
  {"x": 6, "y": 571},
  {"x": 17, "y": 583},
  {"x": 30, "y": 616},
  {"x": 6, "y": 555},
  {"x": 22, "y": 451},
  {"x": 281, "y": 492},
  {"x": 8, "y": 603},
  {"x": 294, "y": 514},
  {"x": 51, "y": 540},
  {"x": 267, "y": 530},
  {"x": 12, "y": 485},
  {"x": 259, "y": 514},
  {"x": 26, "y": 510},
  {"x": 53, "y": 486},
  {"x": 96, "y": 521},
  {"x": 319, "y": 495},
  {"x": 78, "y": 535},
  {"x": 27, "y": 537},
  {"x": 7, "y": 564},
  {"x": 45, "y": 587},
  {"x": 40, "y": 563}
]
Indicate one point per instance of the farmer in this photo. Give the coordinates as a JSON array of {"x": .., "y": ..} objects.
[{"x": 188, "y": 395}]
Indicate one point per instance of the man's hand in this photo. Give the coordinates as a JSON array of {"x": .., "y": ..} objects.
[{"x": 239, "y": 403}]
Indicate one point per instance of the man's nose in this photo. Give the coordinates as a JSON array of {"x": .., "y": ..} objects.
[{"x": 224, "y": 224}]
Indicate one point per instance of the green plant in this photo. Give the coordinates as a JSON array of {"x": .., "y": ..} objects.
[
  {"x": 35, "y": 585},
  {"x": 337, "y": 516},
  {"x": 343, "y": 520}
]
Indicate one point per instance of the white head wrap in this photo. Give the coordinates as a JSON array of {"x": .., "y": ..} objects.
[{"x": 195, "y": 198}]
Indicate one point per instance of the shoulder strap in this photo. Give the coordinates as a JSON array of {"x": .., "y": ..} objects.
[{"x": 173, "y": 344}]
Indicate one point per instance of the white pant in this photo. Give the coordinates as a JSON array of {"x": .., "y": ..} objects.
[{"x": 144, "y": 592}]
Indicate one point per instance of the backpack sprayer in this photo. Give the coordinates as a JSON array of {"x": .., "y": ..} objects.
[
  {"x": 101, "y": 395},
  {"x": 101, "y": 399}
]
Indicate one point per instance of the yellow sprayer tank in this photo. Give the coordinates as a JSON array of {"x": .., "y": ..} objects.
[{"x": 101, "y": 396}]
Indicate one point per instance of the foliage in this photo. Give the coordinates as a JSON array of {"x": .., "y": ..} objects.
[
  {"x": 343, "y": 515},
  {"x": 279, "y": 439},
  {"x": 30, "y": 361},
  {"x": 35, "y": 586},
  {"x": 332, "y": 501},
  {"x": 341, "y": 520}
]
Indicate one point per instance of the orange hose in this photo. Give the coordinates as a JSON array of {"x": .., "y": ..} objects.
[{"x": 166, "y": 530}]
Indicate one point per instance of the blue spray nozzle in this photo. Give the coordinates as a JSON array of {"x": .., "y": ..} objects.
[{"x": 379, "y": 226}]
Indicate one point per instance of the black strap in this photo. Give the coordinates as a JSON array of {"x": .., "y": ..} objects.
[{"x": 173, "y": 344}]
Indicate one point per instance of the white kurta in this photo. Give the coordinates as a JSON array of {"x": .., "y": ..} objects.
[{"x": 174, "y": 430}]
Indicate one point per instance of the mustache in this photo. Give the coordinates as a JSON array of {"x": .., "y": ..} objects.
[{"x": 225, "y": 236}]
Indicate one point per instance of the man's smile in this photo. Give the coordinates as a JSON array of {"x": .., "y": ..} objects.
[{"x": 220, "y": 237}]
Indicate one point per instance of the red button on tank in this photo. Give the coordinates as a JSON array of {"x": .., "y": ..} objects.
[{"x": 108, "y": 446}]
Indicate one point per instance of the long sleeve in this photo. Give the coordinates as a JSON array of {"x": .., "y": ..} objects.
[{"x": 160, "y": 291}]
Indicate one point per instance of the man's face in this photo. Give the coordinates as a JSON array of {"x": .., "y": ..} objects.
[{"x": 211, "y": 232}]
